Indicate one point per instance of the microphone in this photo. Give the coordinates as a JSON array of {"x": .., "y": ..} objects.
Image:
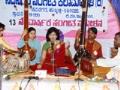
[
  {"x": 52, "y": 57},
  {"x": 52, "y": 46},
  {"x": 6, "y": 77},
  {"x": 32, "y": 77}
]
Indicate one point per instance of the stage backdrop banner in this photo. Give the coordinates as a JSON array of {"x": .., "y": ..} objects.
[{"x": 63, "y": 14}]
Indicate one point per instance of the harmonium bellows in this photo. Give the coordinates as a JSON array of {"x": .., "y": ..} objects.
[{"x": 90, "y": 69}]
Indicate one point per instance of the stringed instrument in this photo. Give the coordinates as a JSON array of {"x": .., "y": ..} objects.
[
  {"x": 26, "y": 47},
  {"x": 81, "y": 51},
  {"x": 82, "y": 57}
]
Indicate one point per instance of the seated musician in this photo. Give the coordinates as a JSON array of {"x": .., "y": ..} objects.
[
  {"x": 115, "y": 54},
  {"x": 91, "y": 45},
  {"x": 2, "y": 41},
  {"x": 55, "y": 52},
  {"x": 34, "y": 44},
  {"x": 114, "y": 50},
  {"x": 114, "y": 62}
]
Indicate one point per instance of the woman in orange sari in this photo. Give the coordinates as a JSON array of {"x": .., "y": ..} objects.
[{"x": 55, "y": 53}]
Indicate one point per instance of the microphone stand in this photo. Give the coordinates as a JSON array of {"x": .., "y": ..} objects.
[
  {"x": 53, "y": 59},
  {"x": 29, "y": 79}
]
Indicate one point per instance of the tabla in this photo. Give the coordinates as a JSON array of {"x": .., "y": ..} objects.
[{"x": 14, "y": 63}]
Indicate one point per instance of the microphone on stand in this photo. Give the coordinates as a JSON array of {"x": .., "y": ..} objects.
[
  {"x": 52, "y": 48},
  {"x": 6, "y": 77},
  {"x": 29, "y": 79},
  {"x": 32, "y": 77},
  {"x": 52, "y": 57}
]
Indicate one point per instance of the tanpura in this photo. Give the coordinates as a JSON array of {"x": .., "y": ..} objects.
[
  {"x": 27, "y": 49},
  {"x": 82, "y": 57}
]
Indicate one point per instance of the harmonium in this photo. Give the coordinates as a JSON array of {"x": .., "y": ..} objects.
[{"x": 89, "y": 68}]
